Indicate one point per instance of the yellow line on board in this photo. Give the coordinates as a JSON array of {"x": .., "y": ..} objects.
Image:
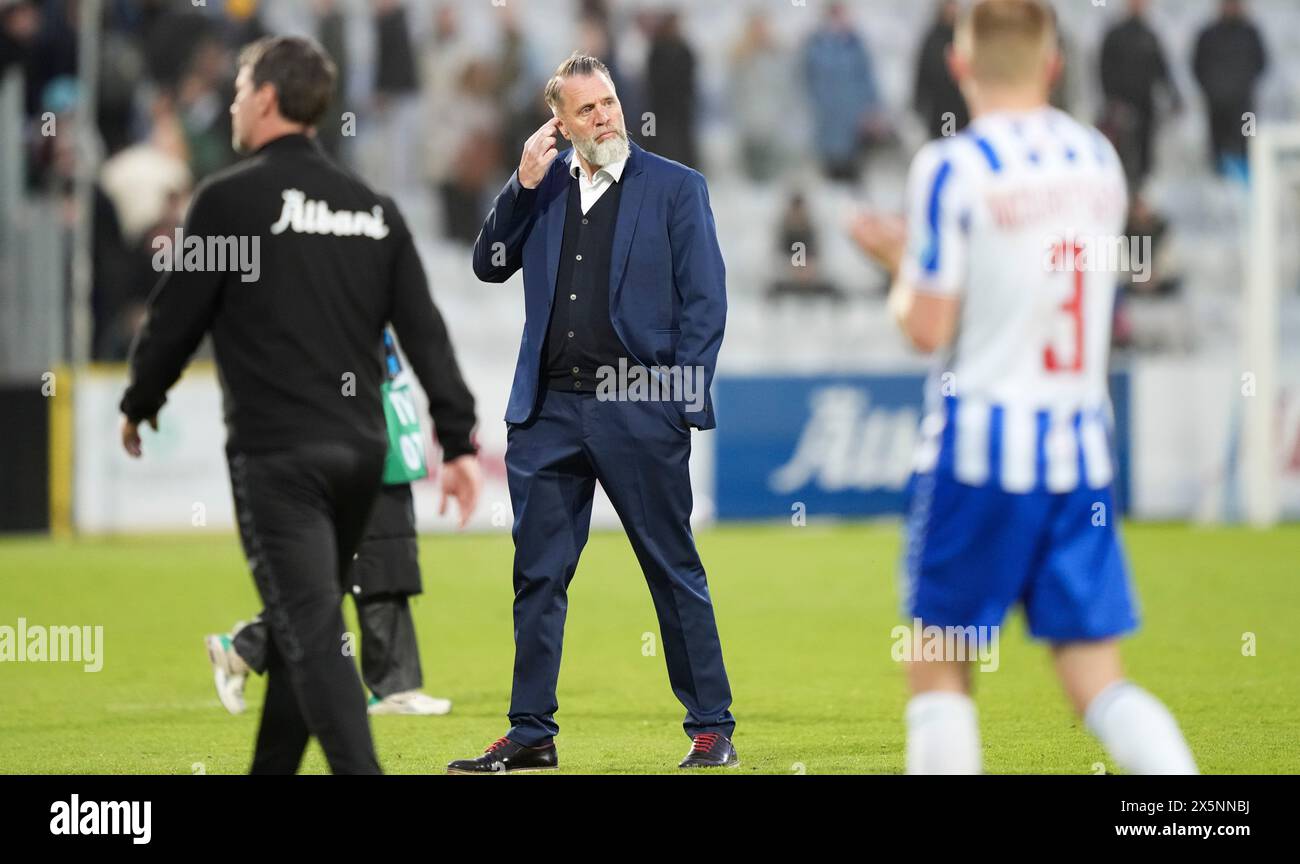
[{"x": 60, "y": 452}]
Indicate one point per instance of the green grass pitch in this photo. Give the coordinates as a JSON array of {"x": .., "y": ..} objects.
[{"x": 805, "y": 615}]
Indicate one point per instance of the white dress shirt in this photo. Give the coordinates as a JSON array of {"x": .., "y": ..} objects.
[{"x": 595, "y": 187}]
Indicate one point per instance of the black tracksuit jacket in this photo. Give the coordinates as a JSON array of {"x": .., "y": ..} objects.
[{"x": 299, "y": 351}]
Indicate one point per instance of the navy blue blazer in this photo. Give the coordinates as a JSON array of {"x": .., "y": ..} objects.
[{"x": 667, "y": 285}]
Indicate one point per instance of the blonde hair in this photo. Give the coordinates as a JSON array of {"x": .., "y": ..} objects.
[{"x": 1007, "y": 41}]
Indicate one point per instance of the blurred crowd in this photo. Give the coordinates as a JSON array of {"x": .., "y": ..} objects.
[{"x": 434, "y": 108}]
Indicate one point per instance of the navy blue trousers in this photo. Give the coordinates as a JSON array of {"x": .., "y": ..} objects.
[{"x": 641, "y": 459}]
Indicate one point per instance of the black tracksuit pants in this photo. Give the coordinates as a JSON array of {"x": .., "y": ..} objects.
[
  {"x": 302, "y": 513},
  {"x": 385, "y": 574},
  {"x": 390, "y": 654}
]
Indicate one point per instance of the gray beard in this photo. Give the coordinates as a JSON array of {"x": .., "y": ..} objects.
[{"x": 605, "y": 153}]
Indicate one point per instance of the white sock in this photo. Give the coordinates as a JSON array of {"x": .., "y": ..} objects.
[
  {"x": 943, "y": 735},
  {"x": 238, "y": 666},
  {"x": 1138, "y": 731}
]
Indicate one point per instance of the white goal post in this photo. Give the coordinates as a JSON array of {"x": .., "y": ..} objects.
[{"x": 1274, "y": 172}]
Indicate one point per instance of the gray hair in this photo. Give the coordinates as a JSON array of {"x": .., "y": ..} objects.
[{"x": 577, "y": 65}]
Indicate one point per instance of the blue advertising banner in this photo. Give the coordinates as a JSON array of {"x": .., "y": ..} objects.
[{"x": 838, "y": 446}]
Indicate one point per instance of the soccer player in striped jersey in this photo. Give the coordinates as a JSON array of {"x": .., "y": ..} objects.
[{"x": 1011, "y": 499}]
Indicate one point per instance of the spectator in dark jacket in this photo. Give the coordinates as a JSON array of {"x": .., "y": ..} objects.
[
  {"x": 395, "y": 73},
  {"x": 1133, "y": 68},
  {"x": 331, "y": 32},
  {"x": 20, "y": 25},
  {"x": 1230, "y": 58},
  {"x": 670, "y": 93},
  {"x": 172, "y": 33},
  {"x": 936, "y": 97}
]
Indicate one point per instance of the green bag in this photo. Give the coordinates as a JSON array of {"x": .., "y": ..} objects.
[{"x": 405, "y": 461}]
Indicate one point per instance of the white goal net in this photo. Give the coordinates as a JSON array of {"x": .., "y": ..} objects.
[{"x": 1271, "y": 413}]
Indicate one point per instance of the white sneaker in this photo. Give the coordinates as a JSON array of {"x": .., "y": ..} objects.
[
  {"x": 229, "y": 671},
  {"x": 410, "y": 702}
]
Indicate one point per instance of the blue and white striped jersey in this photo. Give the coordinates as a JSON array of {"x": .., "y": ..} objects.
[{"x": 1019, "y": 216}]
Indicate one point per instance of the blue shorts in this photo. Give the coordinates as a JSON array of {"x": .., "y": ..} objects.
[{"x": 972, "y": 552}]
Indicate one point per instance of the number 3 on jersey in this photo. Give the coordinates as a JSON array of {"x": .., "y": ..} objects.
[{"x": 1064, "y": 349}]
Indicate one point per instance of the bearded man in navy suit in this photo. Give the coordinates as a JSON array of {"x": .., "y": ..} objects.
[{"x": 625, "y": 297}]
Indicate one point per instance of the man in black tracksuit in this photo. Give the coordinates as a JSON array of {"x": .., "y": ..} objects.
[
  {"x": 297, "y": 332},
  {"x": 385, "y": 574}
]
